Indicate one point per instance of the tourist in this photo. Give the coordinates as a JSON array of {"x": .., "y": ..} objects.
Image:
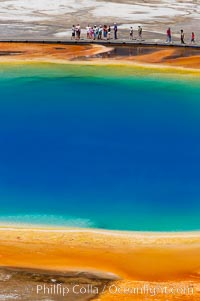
[
  {"x": 131, "y": 33},
  {"x": 169, "y": 35},
  {"x": 78, "y": 32},
  {"x": 100, "y": 31},
  {"x": 193, "y": 38},
  {"x": 88, "y": 31},
  {"x": 105, "y": 31},
  {"x": 73, "y": 32},
  {"x": 95, "y": 29},
  {"x": 182, "y": 37},
  {"x": 115, "y": 31},
  {"x": 97, "y": 32},
  {"x": 109, "y": 32},
  {"x": 91, "y": 33},
  {"x": 139, "y": 32}
]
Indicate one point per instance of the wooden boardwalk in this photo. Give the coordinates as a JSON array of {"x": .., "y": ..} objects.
[{"x": 112, "y": 43}]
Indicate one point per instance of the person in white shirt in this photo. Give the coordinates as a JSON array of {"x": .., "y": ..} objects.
[
  {"x": 131, "y": 33},
  {"x": 78, "y": 32},
  {"x": 88, "y": 31}
]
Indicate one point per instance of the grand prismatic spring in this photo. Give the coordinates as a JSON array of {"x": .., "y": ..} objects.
[{"x": 99, "y": 171}]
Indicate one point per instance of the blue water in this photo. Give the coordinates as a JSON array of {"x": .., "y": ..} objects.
[{"x": 100, "y": 152}]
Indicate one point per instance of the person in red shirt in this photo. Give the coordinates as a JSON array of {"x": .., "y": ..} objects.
[
  {"x": 193, "y": 38},
  {"x": 169, "y": 35}
]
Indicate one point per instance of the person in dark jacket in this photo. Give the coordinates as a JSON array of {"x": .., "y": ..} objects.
[
  {"x": 182, "y": 37},
  {"x": 115, "y": 31}
]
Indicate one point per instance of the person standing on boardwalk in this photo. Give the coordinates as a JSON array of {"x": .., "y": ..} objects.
[
  {"x": 100, "y": 31},
  {"x": 88, "y": 31},
  {"x": 78, "y": 32},
  {"x": 169, "y": 35},
  {"x": 193, "y": 38},
  {"x": 97, "y": 32},
  {"x": 95, "y": 29},
  {"x": 109, "y": 32},
  {"x": 92, "y": 33},
  {"x": 115, "y": 31},
  {"x": 73, "y": 32},
  {"x": 131, "y": 33},
  {"x": 105, "y": 31},
  {"x": 182, "y": 37},
  {"x": 139, "y": 32}
]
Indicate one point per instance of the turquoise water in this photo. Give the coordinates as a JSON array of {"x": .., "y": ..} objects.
[{"x": 100, "y": 152}]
